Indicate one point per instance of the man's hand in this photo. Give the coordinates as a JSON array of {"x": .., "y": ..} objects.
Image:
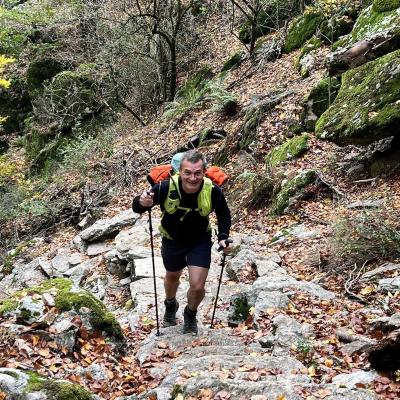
[
  {"x": 224, "y": 246},
  {"x": 146, "y": 198}
]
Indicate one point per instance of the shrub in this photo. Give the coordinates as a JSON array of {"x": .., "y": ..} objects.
[{"x": 367, "y": 235}]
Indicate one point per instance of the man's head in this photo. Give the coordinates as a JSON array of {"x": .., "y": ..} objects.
[{"x": 193, "y": 166}]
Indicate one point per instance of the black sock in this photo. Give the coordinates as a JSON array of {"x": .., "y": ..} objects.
[
  {"x": 190, "y": 312},
  {"x": 170, "y": 301}
]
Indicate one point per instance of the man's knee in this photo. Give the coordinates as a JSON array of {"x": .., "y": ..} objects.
[
  {"x": 197, "y": 287},
  {"x": 172, "y": 276}
]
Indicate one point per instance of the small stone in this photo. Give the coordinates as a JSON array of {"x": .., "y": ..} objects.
[{"x": 48, "y": 299}]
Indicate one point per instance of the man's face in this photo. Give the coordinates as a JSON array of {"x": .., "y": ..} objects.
[{"x": 191, "y": 175}]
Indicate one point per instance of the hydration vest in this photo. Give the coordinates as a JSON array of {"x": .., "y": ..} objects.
[{"x": 172, "y": 202}]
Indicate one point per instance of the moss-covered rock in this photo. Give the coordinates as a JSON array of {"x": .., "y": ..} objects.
[
  {"x": 290, "y": 189},
  {"x": 71, "y": 95},
  {"x": 270, "y": 17},
  {"x": 312, "y": 44},
  {"x": 57, "y": 390},
  {"x": 289, "y": 150},
  {"x": 330, "y": 30},
  {"x": 301, "y": 29},
  {"x": 262, "y": 190},
  {"x": 69, "y": 298},
  {"x": 367, "y": 107},
  {"x": 385, "y": 5},
  {"x": 238, "y": 310},
  {"x": 374, "y": 34},
  {"x": 320, "y": 98},
  {"x": 254, "y": 114},
  {"x": 233, "y": 62},
  {"x": 43, "y": 67}
]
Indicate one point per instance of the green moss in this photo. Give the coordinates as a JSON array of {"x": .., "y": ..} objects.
[
  {"x": 11, "y": 373},
  {"x": 7, "y": 306},
  {"x": 66, "y": 299},
  {"x": 57, "y": 390},
  {"x": 43, "y": 67},
  {"x": 385, "y": 5},
  {"x": 262, "y": 190},
  {"x": 233, "y": 62},
  {"x": 367, "y": 107},
  {"x": 99, "y": 317},
  {"x": 311, "y": 44},
  {"x": 330, "y": 30},
  {"x": 250, "y": 126},
  {"x": 301, "y": 29},
  {"x": 290, "y": 189},
  {"x": 371, "y": 22},
  {"x": 292, "y": 148},
  {"x": 240, "y": 309},
  {"x": 323, "y": 94},
  {"x": 176, "y": 390}
]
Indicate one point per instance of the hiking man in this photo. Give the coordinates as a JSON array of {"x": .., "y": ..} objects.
[{"x": 186, "y": 200}]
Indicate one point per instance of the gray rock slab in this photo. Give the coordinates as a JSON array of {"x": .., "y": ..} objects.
[
  {"x": 263, "y": 265},
  {"x": 389, "y": 284},
  {"x": 144, "y": 267},
  {"x": 178, "y": 342},
  {"x": 74, "y": 259},
  {"x": 60, "y": 263},
  {"x": 366, "y": 204},
  {"x": 355, "y": 347},
  {"x": 95, "y": 249},
  {"x": 351, "y": 380},
  {"x": 377, "y": 272},
  {"x": 270, "y": 301},
  {"x": 106, "y": 227},
  {"x": 279, "y": 283},
  {"x": 22, "y": 276},
  {"x": 12, "y": 381},
  {"x": 80, "y": 271}
]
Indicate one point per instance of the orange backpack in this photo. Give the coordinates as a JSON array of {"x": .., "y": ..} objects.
[{"x": 165, "y": 171}]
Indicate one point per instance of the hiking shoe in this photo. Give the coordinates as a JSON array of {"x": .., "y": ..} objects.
[
  {"x": 171, "y": 307},
  {"x": 189, "y": 321}
]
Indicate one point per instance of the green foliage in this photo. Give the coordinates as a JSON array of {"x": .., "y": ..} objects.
[
  {"x": 367, "y": 235},
  {"x": 385, "y": 5},
  {"x": 301, "y": 29},
  {"x": 232, "y": 62},
  {"x": 197, "y": 92},
  {"x": 4, "y": 83}
]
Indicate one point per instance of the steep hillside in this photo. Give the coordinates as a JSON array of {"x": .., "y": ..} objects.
[{"x": 305, "y": 123}]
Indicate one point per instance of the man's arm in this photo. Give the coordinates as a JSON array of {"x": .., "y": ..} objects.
[
  {"x": 150, "y": 197},
  {"x": 222, "y": 212}
]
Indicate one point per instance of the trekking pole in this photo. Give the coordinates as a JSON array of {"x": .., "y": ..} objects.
[
  {"x": 227, "y": 241},
  {"x": 154, "y": 270}
]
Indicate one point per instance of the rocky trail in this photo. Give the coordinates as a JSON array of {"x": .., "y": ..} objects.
[{"x": 259, "y": 347}]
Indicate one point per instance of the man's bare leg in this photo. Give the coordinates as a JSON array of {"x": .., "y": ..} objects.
[
  {"x": 171, "y": 283},
  {"x": 197, "y": 281}
]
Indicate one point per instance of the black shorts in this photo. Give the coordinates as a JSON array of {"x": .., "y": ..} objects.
[{"x": 177, "y": 256}]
